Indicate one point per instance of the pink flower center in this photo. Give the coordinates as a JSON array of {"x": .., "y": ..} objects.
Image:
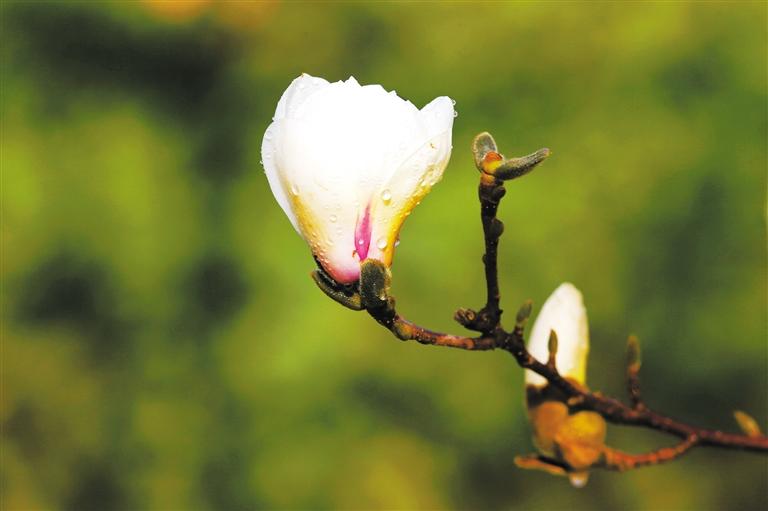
[{"x": 363, "y": 234}]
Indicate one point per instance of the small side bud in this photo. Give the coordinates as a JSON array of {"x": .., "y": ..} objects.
[
  {"x": 563, "y": 312},
  {"x": 465, "y": 317},
  {"x": 374, "y": 283},
  {"x": 747, "y": 424},
  {"x": 523, "y": 313},
  {"x": 633, "y": 370},
  {"x": 497, "y": 228},
  {"x": 633, "y": 354},
  {"x": 552, "y": 347},
  {"x": 481, "y": 146},
  {"x": 497, "y": 192}
]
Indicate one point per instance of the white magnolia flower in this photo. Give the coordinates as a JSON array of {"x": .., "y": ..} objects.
[
  {"x": 347, "y": 163},
  {"x": 563, "y": 312}
]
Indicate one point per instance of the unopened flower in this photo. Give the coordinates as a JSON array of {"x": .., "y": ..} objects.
[
  {"x": 348, "y": 163},
  {"x": 565, "y": 314},
  {"x": 568, "y": 443}
]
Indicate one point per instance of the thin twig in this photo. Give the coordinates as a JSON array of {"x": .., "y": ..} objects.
[
  {"x": 490, "y": 193},
  {"x": 633, "y": 373},
  {"x": 621, "y": 461}
]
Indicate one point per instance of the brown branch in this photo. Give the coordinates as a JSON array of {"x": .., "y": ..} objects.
[
  {"x": 374, "y": 290},
  {"x": 579, "y": 398}
]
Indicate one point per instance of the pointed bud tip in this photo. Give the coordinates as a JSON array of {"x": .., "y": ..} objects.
[
  {"x": 524, "y": 312},
  {"x": 518, "y": 167},
  {"x": 747, "y": 423},
  {"x": 552, "y": 344},
  {"x": 633, "y": 353}
]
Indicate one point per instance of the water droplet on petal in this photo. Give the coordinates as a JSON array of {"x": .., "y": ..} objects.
[
  {"x": 360, "y": 241},
  {"x": 455, "y": 114},
  {"x": 333, "y": 218},
  {"x": 386, "y": 196},
  {"x": 382, "y": 243},
  {"x": 454, "y": 102},
  {"x": 294, "y": 189}
]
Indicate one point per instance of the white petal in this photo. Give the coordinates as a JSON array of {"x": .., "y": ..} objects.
[
  {"x": 296, "y": 93},
  {"x": 563, "y": 312},
  {"x": 438, "y": 115},
  {"x": 294, "y": 96},
  {"x": 420, "y": 169},
  {"x": 269, "y": 159}
]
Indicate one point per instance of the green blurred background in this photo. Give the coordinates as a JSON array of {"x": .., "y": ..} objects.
[{"x": 164, "y": 348}]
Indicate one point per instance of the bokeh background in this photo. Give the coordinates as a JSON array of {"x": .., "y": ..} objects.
[{"x": 164, "y": 348}]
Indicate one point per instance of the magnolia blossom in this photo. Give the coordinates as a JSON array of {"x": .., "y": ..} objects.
[
  {"x": 563, "y": 312},
  {"x": 348, "y": 163},
  {"x": 576, "y": 441}
]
